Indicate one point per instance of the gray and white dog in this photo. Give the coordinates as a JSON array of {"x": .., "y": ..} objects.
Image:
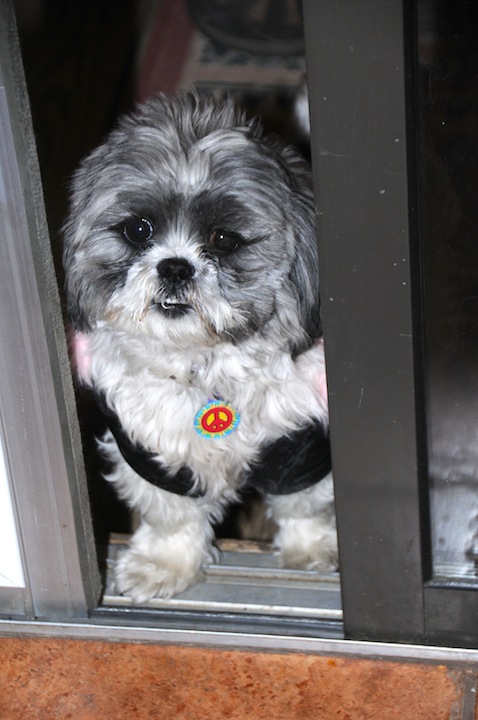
[{"x": 192, "y": 288}]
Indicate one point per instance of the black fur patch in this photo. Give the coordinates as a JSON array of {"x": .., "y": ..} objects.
[
  {"x": 293, "y": 462},
  {"x": 143, "y": 462}
]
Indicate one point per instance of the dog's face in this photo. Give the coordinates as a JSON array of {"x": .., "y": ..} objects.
[{"x": 189, "y": 225}]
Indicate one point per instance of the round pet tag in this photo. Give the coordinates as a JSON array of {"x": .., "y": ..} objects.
[{"x": 216, "y": 419}]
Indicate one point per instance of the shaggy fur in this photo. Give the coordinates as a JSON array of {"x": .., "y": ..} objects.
[{"x": 192, "y": 273}]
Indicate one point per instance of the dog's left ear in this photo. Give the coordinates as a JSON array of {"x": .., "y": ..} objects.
[
  {"x": 305, "y": 265},
  {"x": 304, "y": 272},
  {"x": 305, "y": 268}
]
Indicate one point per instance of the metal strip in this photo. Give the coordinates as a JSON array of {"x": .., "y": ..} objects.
[
  {"x": 41, "y": 435},
  {"x": 242, "y": 641},
  {"x": 243, "y": 583}
]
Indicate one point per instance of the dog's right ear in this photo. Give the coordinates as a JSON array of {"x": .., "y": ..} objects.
[
  {"x": 74, "y": 311},
  {"x": 76, "y": 317},
  {"x": 78, "y": 291}
]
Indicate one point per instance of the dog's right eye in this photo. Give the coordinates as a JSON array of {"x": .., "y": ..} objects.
[{"x": 138, "y": 231}]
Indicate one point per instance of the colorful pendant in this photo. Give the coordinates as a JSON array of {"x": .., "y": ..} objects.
[{"x": 216, "y": 419}]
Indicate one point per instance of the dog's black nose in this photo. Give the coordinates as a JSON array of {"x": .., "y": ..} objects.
[{"x": 175, "y": 270}]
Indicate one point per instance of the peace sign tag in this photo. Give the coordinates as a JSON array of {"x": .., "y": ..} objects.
[{"x": 216, "y": 419}]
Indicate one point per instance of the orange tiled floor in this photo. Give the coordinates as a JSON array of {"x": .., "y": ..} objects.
[{"x": 85, "y": 680}]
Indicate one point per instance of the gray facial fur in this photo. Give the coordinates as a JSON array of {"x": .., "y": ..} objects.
[{"x": 192, "y": 167}]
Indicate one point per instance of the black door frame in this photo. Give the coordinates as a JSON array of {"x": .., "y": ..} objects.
[{"x": 363, "y": 103}]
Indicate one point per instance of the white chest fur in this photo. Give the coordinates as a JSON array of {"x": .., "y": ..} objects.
[{"x": 157, "y": 394}]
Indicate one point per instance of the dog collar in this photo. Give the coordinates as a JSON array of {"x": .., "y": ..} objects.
[{"x": 293, "y": 462}]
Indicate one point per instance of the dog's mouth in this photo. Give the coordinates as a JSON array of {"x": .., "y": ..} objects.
[{"x": 172, "y": 308}]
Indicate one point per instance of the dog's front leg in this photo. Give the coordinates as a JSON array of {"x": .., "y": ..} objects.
[
  {"x": 306, "y": 536},
  {"x": 168, "y": 549}
]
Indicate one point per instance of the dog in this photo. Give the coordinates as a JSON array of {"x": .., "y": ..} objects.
[{"x": 192, "y": 291}]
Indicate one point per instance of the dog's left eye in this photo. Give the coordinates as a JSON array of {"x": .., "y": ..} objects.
[
  {"x": 138, "y": 231},
  {"x": 224, "y": 240}
]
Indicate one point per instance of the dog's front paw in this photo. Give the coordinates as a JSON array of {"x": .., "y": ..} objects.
[
  {"x": 307, "y": 536},
  {"x": 307, "y": 544},
  {"x": 158, "y": 565},
  {"x": 144, "y": 576}
]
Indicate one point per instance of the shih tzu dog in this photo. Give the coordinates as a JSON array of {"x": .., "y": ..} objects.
[{"x": 192, "y": 290}]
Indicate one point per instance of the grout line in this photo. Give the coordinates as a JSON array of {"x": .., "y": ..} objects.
[{"x": 468, "y": 709}]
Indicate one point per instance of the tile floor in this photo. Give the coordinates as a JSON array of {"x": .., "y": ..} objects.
[{"x": 89, "y": 680}]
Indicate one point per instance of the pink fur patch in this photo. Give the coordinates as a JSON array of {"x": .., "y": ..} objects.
[
  {"x": 320, "y": 383},
  {"x": 80, "y": 357},
  {"x": 321, "y": 387}
]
